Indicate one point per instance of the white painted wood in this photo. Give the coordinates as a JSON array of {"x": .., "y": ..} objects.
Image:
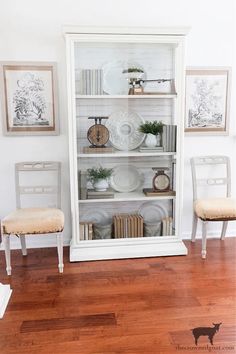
[
  {"x": 224, "y": 169},
  {"x": 74, "y": 29},
  {"x": 127, "y": 250},
  {"x": 204, "y": 239},
  {"x": 5, "y": 294},
  {"x": 23, "y": 245},
  {"x": 72, "y": 138},
  {"x": 127, "y": 197},
  {"x": 133, "y": 153},
  {"x": 22, "y": 188},
  {"x": 194, "y": 227},
  {"x": 129, "y": 97},
  {"x": 213, "y": 160},
  {"x": 224, "y": 228},
  {"x": 36, "y": 167},
  {"x": 82, "y": 47},
  {"x": 60, "y": 252},
  {"x": 6, "y": 239}
]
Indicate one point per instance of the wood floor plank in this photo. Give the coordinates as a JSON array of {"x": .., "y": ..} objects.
[{"x": 107, "y": 319}]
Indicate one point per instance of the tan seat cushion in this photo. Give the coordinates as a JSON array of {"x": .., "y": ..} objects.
[
  {"x": 33, "y": 221},
  {"x": 215, "y": 208}
]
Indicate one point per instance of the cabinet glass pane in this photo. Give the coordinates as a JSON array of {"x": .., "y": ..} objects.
[{"x": 114, "y": 97}]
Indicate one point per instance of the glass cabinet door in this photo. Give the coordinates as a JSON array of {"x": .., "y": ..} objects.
[{"x": 126, "y": 139}]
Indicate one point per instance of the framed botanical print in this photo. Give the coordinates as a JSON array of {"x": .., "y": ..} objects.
[
  {"x": 29, "y": 98},
  {"x": 207, "y": 100}
]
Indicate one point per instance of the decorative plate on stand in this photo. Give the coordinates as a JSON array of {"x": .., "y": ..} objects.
[
  {"x": 152, "y": 212},
  {"x": 124, "y": 131},
  {"x": 114, "y": 81},
  {"x": 126, "y": 178},
  {"x": 96, "y": 216}
]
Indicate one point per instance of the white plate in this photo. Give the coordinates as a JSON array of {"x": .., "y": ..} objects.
[
  {"x": 114, "y": 81},
  {"x": 123, "y": 129},
  {"x": 125, "y": 178},
  {"x": 99, "y": 217},
  {"x": 152, "y": 212}
]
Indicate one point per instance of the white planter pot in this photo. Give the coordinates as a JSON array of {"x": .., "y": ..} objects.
[
  {"x": 158, "y": 138},
  {"x": 134, "y": 75},
  {"x": 151, "y": 140},
  {"x": 101, "y": 185}
]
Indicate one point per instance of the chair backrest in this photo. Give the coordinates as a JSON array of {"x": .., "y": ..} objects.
[
  {"x": 212, "y": 180},
  {"x": 36, "y": 167}
]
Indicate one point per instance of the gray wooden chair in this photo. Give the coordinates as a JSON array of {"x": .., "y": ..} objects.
[
  {"x": 216, "y": 208},
  {"x": 35, "y": 220}
]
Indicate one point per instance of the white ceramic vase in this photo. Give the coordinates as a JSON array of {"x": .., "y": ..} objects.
[
  {"x": 101, "y": 185},
  {"x": 158, "y": 139},
  {"x": 151, "y": 140}
]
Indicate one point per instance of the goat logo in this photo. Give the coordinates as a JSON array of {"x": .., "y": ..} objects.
[{"x": 206, "y": 331}]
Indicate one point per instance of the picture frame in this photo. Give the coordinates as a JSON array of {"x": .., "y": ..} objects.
[
  {"x": 29, "y": 98},
  {"x": 207, "y": 100}
]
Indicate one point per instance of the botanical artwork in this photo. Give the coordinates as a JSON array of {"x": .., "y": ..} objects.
[
  {"x": 206, "y": 100},
  {"x": 29, "y": 103},
  {"x": 29, "y": 98}
]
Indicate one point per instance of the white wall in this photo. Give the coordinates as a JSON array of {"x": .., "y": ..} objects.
[{"x": 31, "y": 31}]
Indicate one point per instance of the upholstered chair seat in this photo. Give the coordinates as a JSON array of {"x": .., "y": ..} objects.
[
  {"x": 36, "y": 220},
  {"x": 33, "y": 221},
  {"x": 215, "y": 209}
]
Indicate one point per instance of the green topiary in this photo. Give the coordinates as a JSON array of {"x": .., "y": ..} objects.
[
  {"x": 151, "y": 127},
  {"x": 132, "y": 70},
  {"x": 95, "y": 174}
]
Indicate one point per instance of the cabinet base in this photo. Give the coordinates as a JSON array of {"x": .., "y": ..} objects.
[{"x": 105, "y": 250}]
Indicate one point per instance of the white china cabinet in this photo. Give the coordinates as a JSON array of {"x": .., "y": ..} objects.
[{"x": 119, "y": 79}]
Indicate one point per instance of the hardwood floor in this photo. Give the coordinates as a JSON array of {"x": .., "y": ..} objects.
[{"x": 127, "y": 306}]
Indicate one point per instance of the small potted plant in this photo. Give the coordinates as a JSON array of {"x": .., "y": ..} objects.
[
  {"x": 153, "y": 131},
  {"x": 99, "y": 177},
  {"x": 133, "y": 73}
]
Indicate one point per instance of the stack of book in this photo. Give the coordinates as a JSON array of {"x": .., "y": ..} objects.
[
  {"x": 86, "y": 230},
  {"x": 151, "y": 149},
  {"x": 92, "y": 194},
  {"x": 127, "y": 225},
  {"x": 169, "y": 138},
  {"x": 91, "y": 80},
  {"x": 82, "y": 184},
  {"x": 167, "y": 226}
]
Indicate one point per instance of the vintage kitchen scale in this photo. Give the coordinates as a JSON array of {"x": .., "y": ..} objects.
[
  {"x": 137, "y": 86},
  {"x": 98, "y": 136},
  {"x": 160, "y": 183}
]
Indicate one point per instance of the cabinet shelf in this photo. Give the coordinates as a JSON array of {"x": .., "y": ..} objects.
[
  {"x": 149, "y": 96},
  {"x": 133, "y": 153},
  {"x": 127, "y": 197}
]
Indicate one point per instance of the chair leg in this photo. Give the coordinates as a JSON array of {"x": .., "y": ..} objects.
[
  {"x": 23, "y": 245},
  {"x": 204, "y": 239},
  {"x": 60, "y": 252},
  {"x": 6, "y": 239},
  {"x": 224, "y": 228},
  {"x": 194, "y": 227}
]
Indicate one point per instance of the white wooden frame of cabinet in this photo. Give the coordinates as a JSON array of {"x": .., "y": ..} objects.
[{"x": 130, "y": 247}]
